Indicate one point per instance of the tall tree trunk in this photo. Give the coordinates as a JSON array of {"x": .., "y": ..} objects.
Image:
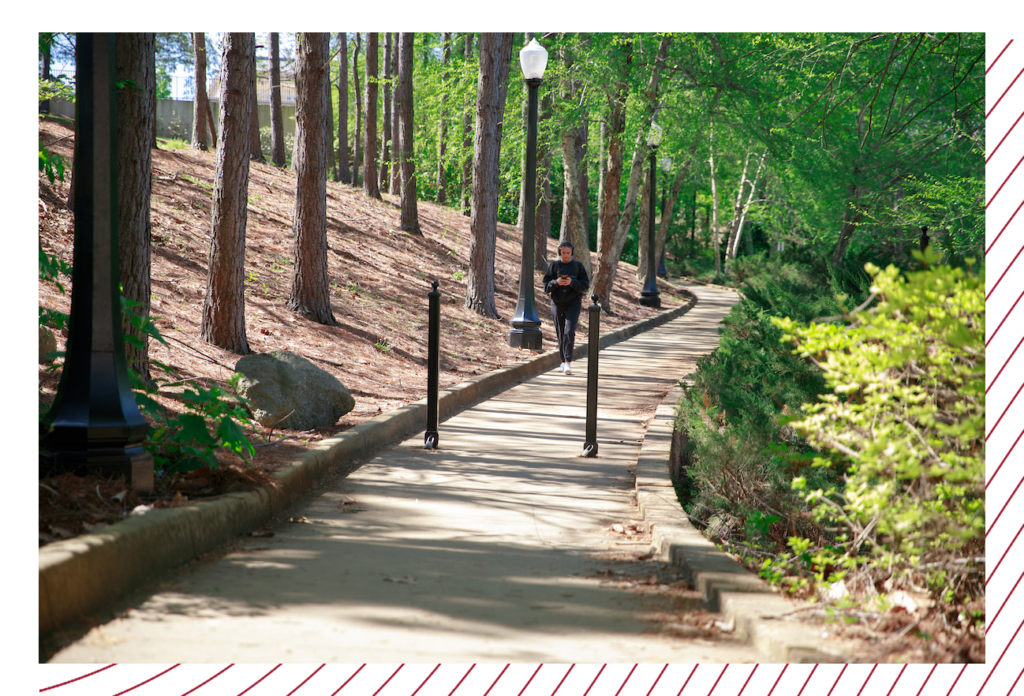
[
  {"x": 211, "y": 122},
  {"x": 199, "y": 105},
  {"x": 850, "y": 221},
  {"x": 602, "y": 157},
  {"x": 467, "y": 137},
  {"x": 740, "y": 214},
  {"x": 356, "y": 147},
  {"x": 714, "y": 204},
  {"x": 608, "y": 203},
  {"x": 642, "y": 227},
  {"x": 44, "y": 106},
  {"x": 404, "y": 105},
  {"x": 277, "y": 154},
  {"x": 608, "y": 260},
  {"x": 682, "y": 172},
  {"x": 310, "y": 292},
  {"x": 442, "y": 128},
  {"x": 371, "y": 187},
  {"x": 256, "y": 153},
  {"x": 385, "y": 131},
  {"x": 135, "y": 116},
  {"x": 572, "y": 204},
  {"x": 484, "y": 206},
  {"x": 329, "y": 135},
  {"x": 343, "y": 173},
  {"x": 223, "y": 322},
  {"x": 542, "y": 221},
  {"x": 395, "y": 179}
]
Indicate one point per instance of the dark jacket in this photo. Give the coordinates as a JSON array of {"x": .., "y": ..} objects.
[{"x": 564, "y": 294}]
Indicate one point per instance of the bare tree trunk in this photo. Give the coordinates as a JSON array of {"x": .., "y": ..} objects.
[
  {"x": 404, "y": 105},
  {"x": 572, "y": 204},
  {"x": 604, "y": 276},
  {"x": 714, "y": 204},
  {"x": 343, "y": 174},
  {"x": 442, "y": 128},
  {"x": 329, "y": 134},
  {"x": 356, "y": 159},
  {"x": 310, "y": 292},
  {"x": 277, "y": 153},
  {"x": 135, "y": 117},
  {"x": 682, "y": 172},
  {"x": 256, "y": 153},
  {"x": 211, "y": 122},
  {"x": 484, "y": 206},
  {"x": 199, "y": 105},
  {"x": 223, "y": 322},
  {"x": 467, "y": 137},
  {"x": 395, "y": 178},
  {"x": 371, "y": 187},
  {"x": 741, "y": 214},
  {"x": 542, "y": 222},
  {"x": 385, "y": 131}
]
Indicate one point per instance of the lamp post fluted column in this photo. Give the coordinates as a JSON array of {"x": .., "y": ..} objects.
[
  {"x": 649, "y": 296},
  {"x": 525, "y": 332},
  {"x": 94, "y": 425}
]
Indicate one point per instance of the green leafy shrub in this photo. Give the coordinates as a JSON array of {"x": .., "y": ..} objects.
[{"x": 905, "y": 422}]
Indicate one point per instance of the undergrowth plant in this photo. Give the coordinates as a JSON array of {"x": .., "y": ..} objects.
[{"x": 904, "y": 421}]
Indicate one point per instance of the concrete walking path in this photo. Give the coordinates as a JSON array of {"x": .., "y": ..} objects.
[{"x": 485, "y": 550}]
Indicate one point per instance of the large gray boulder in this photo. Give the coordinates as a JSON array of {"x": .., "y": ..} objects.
[
  {"x": 280, "y": 383},
  {"x": 47, "y": 344}
]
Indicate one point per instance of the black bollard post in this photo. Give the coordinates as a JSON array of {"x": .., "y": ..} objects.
[
  {"x": 593, "y": 345},
  {"x": 430, "y": 439}
]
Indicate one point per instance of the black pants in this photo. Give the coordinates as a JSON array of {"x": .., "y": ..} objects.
[{"x": 565, "y": 317}]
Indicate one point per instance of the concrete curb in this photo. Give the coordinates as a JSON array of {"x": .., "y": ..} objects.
[
  {"x": 80, "y": 575},
  {"x": 744, "y": 598}
]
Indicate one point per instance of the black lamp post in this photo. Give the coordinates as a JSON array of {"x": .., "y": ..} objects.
[
  {"x": 94, "y": 425},
  {"x": 649, "y": 296},
  {"x": 525, "y": 332}
]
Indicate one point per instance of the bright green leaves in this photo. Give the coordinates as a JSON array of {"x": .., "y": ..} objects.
[{"x": 906, "y": 413}]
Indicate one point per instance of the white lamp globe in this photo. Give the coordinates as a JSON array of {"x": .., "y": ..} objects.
[
  {"x": 533, "y": 59},
  {"x": 654, "y": 137},
  {"x": 666, "y": 163}
]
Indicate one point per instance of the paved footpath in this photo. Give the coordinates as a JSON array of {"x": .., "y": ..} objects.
[{"x": 485, "y": 550}]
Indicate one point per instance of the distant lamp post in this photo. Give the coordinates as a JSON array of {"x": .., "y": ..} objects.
[
  {"x": 649, "y": 296},
  {"x": 525, "y": 332},
  {"x": 666, "y": 166}
]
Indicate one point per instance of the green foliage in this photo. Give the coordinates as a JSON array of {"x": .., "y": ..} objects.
[
  {"x": 57, "y": 87},
  {"x": 905, "y": 422},
  {"x": 185, "y": 442},
  {"x": 51, "y": 164}
]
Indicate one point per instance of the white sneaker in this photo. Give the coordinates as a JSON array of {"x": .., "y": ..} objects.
[
  {"x": 568, "y": 369},
  {"x": 561, "y": 368}
]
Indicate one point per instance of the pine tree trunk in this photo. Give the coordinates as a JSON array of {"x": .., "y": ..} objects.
[
  {"x": 211, "y": 123},
  {"x": 329, "y": 135},
  {"x": 371, "y": 186},
  {"x": 223, "y": 322},
  {"x": 385, "y": 131},
  {"x": 344, "y": 173},
  {"x": 277, "y": 153},
  {"x": 404, "y": 105},
  {"x": 256, "y": 153},
  {"x": 356, "y": 147},
  {"x": 442, "y": 128},
  {"x": 135, "y": 117},
  {"x": 310, "y": 292},
  {"x": 484, "y": 204},
  {"x": 199, "y": 105},
  {"x": 395, "y": 178},
  {"x": 467, "y": 138}
]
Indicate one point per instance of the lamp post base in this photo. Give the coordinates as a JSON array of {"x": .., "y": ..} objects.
[
  {"x": 525, "y": 338},
  {"x": 133, "y": 463},
  {"x": 650, "y": 301}
]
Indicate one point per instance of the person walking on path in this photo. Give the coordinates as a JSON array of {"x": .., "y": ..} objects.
[{"x": 566, "y": 282}]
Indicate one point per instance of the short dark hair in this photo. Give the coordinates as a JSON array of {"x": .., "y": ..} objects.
[{"x": 566, "y": 244}]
